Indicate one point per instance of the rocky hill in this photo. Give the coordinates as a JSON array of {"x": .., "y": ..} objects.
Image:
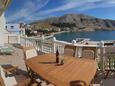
[{"x": 75, "y": 22}]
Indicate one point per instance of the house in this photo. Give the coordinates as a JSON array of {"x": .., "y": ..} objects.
[
  {"x": 13, "y": 28},
  {"x": 3, "y": 6}
]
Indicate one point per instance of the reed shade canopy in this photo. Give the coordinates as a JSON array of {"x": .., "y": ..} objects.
[{"x": 3, "y": 5}]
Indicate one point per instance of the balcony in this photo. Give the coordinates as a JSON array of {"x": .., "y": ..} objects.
[{"x": 49, "y": 45}]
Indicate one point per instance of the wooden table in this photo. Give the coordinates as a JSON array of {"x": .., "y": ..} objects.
[{"x": 72, "y": 70}]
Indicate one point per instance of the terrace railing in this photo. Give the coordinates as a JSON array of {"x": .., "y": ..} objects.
[
  {"x": 108, "y": 57},
  {"x": 49, "y": 45},
  {"x": 104, "y": 53},
  {"x": 39, "y": 43}
]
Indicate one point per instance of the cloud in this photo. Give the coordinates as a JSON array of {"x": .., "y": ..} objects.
[
  {"x": 28, "y": 8},
  {"x": 31, "y": 9},
  {"x": 83, "y": 0},
  {"x": 65, "y": 7},
  {"x": 97, "y": 4},
  {"x": 80, "y": 5}
]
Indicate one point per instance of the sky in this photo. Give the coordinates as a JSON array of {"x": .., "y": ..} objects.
[{"x": 32, "y": 10}]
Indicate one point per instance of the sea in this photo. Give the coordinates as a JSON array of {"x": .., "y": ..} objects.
[{"x": 95, "y": 36}]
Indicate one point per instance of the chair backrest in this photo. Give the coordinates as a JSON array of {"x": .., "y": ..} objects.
[
  {"x": 78, "y": 83},
  {"x": 6, "y": 81},
  {"x": 88, "y": 54},
  {"x": 1, "y": 81},
  {"x": 109, "y": 51},
  {"x": 29, "y": 52},
  {"x": 69, "y": 50},
  {"x": 2, "y": 76}
]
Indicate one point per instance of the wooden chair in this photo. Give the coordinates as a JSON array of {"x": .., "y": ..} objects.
[
  {"x": 1, "y": 81},
  {"x": 69, "y": 50},
  {"x": 12, "y": 80},
  {"x": 8, "y": 68},
  {"x": 78, "y": 83},
  {"x": 88, "y": 54},
  {"x": 29, "y": 52},
  {"x": 26, "y": 82}
]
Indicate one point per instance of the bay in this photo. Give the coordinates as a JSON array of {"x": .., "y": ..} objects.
[{"x": 95, "y": 36}]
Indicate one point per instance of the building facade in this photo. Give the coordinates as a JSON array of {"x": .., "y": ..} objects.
[
  {"x": 3, "y": 6},
  {"x": 13, "y": 28}
]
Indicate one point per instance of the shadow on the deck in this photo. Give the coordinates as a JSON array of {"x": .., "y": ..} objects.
[{"x": 100, "y": 81}]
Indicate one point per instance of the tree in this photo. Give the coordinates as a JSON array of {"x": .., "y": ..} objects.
[{"x": 28, "y": 32}]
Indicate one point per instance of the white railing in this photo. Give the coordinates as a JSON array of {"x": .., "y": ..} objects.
[
  {"x": 11, "y": 38},
  {"x": 48, "y": 45},
  {"x": 58, "y": 45},
  {"x": 29, "y": 41},
  {"x": 40, "y": 43},
  {"x": 51, "y": 45},
  {"x": 108, "y": 56}
]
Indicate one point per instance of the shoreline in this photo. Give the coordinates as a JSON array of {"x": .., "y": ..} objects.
[{"x": 60, "y": 32}]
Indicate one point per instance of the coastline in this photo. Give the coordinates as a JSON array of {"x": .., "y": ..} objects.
[
  {"x": 60, "y": 32},
  {"x": 95, "y": 35}
]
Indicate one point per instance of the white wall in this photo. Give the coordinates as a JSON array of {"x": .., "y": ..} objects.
[
  {"x": 15, "y": 30},
  {"x": 2, "y": 28},
  {"x": 12, "y": 34}
]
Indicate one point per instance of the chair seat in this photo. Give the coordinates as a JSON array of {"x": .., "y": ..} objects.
[
  {"x": 89, "y": 54},
  {"x": 9, "y": 69}
]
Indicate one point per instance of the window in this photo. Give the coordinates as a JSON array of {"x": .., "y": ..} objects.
[
  {"x": 6, "y": 27},
  {"x": 12, "y": 27}
]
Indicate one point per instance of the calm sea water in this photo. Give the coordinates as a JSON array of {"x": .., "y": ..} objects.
[{"x": 96, "y": 36}]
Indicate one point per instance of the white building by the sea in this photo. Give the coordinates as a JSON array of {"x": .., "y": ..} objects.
[
  {"x": 3, "y": 5},
  {"x": 13, "y": 28}
]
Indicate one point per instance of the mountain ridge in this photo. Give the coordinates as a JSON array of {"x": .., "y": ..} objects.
[{"x": 76, "y": 22}]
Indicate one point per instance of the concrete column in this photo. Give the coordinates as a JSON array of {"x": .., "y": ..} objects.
[
  {"x": 54, "y": 46},
  {"x": 102, "y": 53},
  {"x": 76, "y": 52},
  {"x": 73, "y": 42},
  {"x": 2, "y": 28},
  {"x": 18, "y": 39},
  {"x": 42, "y": 43},
  {"x": 79, "y": 52}
]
